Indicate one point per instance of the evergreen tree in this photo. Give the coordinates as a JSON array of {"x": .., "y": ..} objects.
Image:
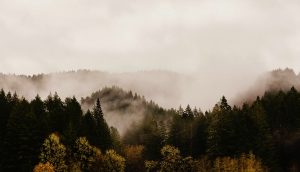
[
  {"x": 98, "y": 113},
  {"x": 180, "y": 110},
  {"x": 200, "y": 125},
  {"x": 264, "y": 143},
  {"x": 39, "y": 110},
  {"x": 153, "y": 138},
  {"x": 291, "y": 112},
  {"x": 56, "y": 113},
  {"x": 175, "y": 132},
  {"x": 21, "y": 139},
  {"x": 74, "y": 114},
  {"x": 182, "y": 131},
  {"x": 116, "y": 139},
  {"x": 220, "y": 131},
  {"x": 188, "y": 113},
  {"x": 88, "y": 127},
  {"x": 4, "y": 115},
  {"x": 7, "y": 104},
  {"x": 102, "y": 136}
]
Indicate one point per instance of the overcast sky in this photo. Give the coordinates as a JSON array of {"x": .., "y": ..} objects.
[{"x": 186, "y": 36}]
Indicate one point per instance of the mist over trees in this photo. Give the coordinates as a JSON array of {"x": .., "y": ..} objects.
[
  {"x": 154, "y": 85},
  {"x": 81, "y": 83},
  {"x": 56, "y": 134},
  {"x": 276, "y": 80},
  {"x": 116, "y": 130}
]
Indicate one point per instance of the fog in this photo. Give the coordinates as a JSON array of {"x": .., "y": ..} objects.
[
  {"x": 181, "y": 36},
  {"x": 215, "y": 47},
  {"x": 276, "y": 80}
]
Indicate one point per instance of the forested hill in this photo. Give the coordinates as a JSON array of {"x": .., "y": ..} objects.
[{"x": 122, "y": 108}]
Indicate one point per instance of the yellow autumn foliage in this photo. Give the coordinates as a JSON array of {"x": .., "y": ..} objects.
[{"x": 46, "y": 167}]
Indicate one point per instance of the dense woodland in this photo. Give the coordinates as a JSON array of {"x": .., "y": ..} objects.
[{"x": 57, "y": 135}]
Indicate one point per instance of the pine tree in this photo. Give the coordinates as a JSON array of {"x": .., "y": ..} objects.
[
  {"x": 21, "y": 139},
  {"x": 264, "y": 145},
  {"x": 39, "y": 110},
  {"x": 98, "y": 113},
  {"x": 200, "y": 125},
  {"x": 220, "y": 130},
  {"x": 180, "y": 110},
  {"x": 4, "y": 115},
  {"x": 151, "y": 137},
  {"x": 56, "y": 113},
  {"x": 72, "y": 127},
  {"x": 182, "y": 131},
  {"x": 88, "y": 127},
  {"x": 188, "y": 113},
  {"x": 224, "y": 105},
  {"x": 102, "y": 138},
  {"x": 116, "y": 139}
]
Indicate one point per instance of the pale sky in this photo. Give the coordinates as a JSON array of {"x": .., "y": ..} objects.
[{"x": 205, "y": 37}]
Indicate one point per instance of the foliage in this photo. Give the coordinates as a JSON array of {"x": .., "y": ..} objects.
[
  {"x": 116, "y": 139},
  {"x": 54, "y": 152},
  {"x": 134, "y": 155},
  {"x": 172, "y": 161},
  {"x": 110, "y": 162},
  {"x": 84, "y": 154},
  {"x": 149, "y": 133},
  {"x": 244, "y": 163},
  {"x": 203, "y": 164},
  {"x": 47, "y": 167},
  {"x": 152, "y": 166}
]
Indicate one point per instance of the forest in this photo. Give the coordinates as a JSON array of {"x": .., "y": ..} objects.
[
  {"x": 73, "y": 135},
  {"x": 149, "y": 85}
]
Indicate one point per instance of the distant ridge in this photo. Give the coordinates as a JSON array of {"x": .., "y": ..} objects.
[
  {"x": 153, "y": 85},
  {"x": 276, "y": 80},
  {"x": 166, "y": 88}
]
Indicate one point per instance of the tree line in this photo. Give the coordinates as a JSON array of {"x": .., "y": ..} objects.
[{"x": 58, "y": 135}]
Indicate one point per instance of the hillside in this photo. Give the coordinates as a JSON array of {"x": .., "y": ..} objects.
[{"x": 122, "y": 108}]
